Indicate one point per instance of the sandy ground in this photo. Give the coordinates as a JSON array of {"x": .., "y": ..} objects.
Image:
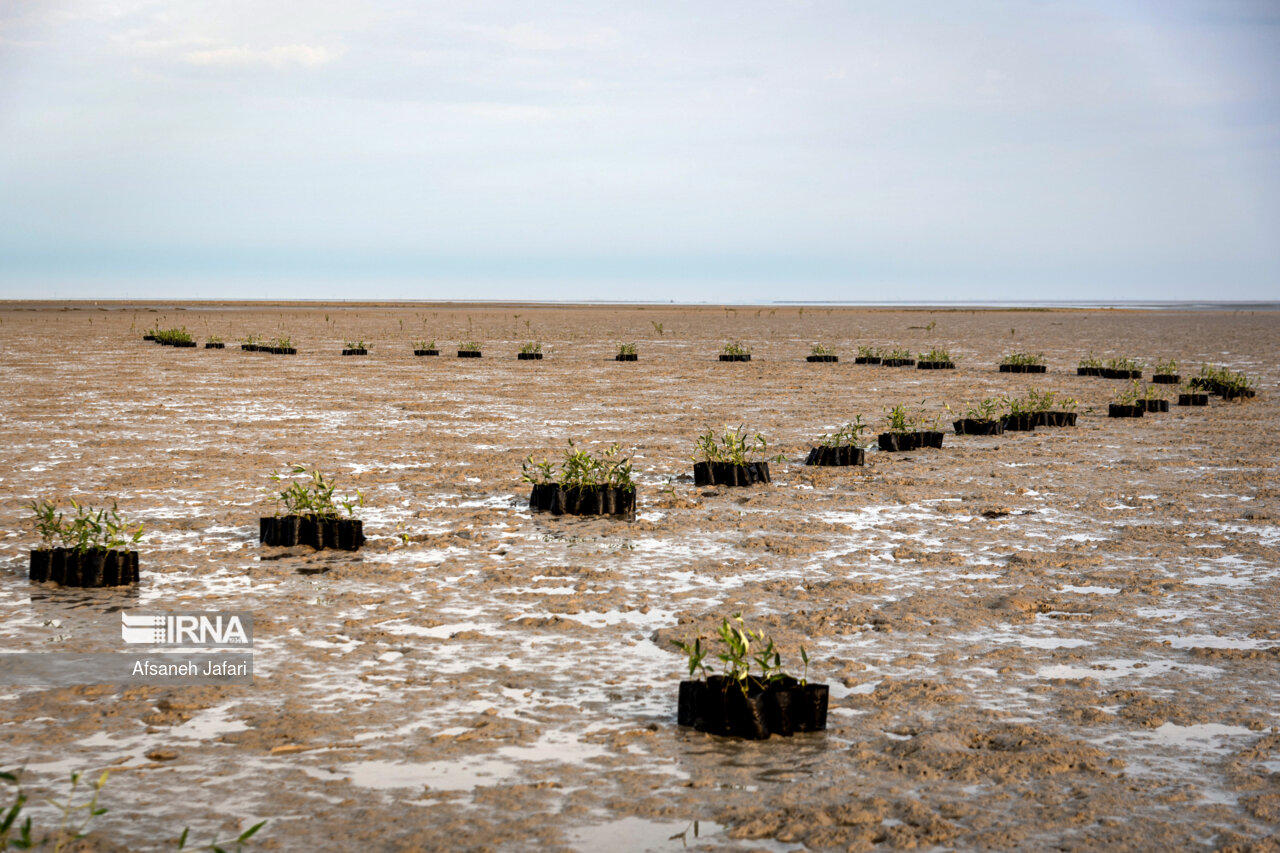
[{"x": 1058, "y": 640}]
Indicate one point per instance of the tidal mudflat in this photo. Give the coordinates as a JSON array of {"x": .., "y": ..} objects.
[{"x": 1064, "y": 638}]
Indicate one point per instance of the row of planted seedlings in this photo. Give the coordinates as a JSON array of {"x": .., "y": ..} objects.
[
  {"x": 936, "y": 358},
  {"x": 279, "y": 346},
  {"x": 180, "y": 338},
  {"x": 90, "y": 548},
  {"x": 1164, "y": 372}
]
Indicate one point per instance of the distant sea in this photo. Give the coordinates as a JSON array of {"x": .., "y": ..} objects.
[{"x": 1139, "y": 305}]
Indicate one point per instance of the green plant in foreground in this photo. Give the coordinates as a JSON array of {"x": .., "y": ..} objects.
[
  {"x": 1166, "y": 366},
  {"x": 869, "y": 352},
  {"x": 735, "y": 348},
  {"x": 89, "y": 529},
  {"x": 819, "y": 349},
  {"x": 531, "y": 348},
  {"x": 1090, "y": 361},
  {"x": 284, "y": 343},
  {"x": 214, "y": 339},
  {"x": 902, "y": 419},
  {"x": 849, "y": 435},
  {"x": 424, "y": 344},
  {"x": 468, "y": 346},
  {"x": 898, "y": 354},
  {"x": 313, "y": 495},
  {"x": 579, "y": 469},
  {"x": 76, "y": 818},
  {"x": 355, "y": 345},
  {"x": 734, "y": 446},
  {"x": 741, "y": 647},
  {"x": 1023, "y": 359},
  {"x": 627, "y": 349}
]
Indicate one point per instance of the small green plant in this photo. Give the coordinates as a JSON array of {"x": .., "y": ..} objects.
[
  {"x": 1039, "y": 401},
  {"x": 1167, "y": 367},
  {"x": 1018, "y": 407},
  {"x": 903, "y": 419},
  {"x": 580, "y": 469},
  {"x": 849, "y": 435},
  {"x": 819, "y": 349},
  {"x": 1131, "y": 396},
  {"x": 734, "y": 446},
  {"x": 741, "y": 647},
  {"x": 870, "y": 352},
  {"x": 251, "y": 340},
  {"x": 469, "y": 346},
  {"x": 1025, "y": 359},
  {"x": 89, "y": 529},
  {"x": 312, "y": 495},
  {"x": 1150, "y": 392},
  {"x": 424, "y": 344},
  {"x": 215, "y": 846},
  {"x": 735, "y": 348},
  {"x": 657, "y": 327},
  {"x": 531, "y": 348},
  {"x": 1124, "y": 363},
  {"x": 935, "y": 354},
  {"x": 355, "y": 345},
  {"x": 985, "y": 410},
  {"x": 76, "y": 818},
  {"x": 627, "y": 349},
  {"x": 283, "y": 343},
  {"x": 1091, "y": 361},
  {"x": 214, "y": 339},
  {"x": 899, "y": 355}
]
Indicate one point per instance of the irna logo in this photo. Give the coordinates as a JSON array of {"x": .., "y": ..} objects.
[{"x": 217, "y": 628}]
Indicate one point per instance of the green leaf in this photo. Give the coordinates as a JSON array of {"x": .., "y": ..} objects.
[
  {"x": 248, "y": 833},
  {"x": 182, "y": 839}
]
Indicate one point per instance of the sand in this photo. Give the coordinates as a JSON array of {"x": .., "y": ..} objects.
[{"x": 1063, "y": 639}]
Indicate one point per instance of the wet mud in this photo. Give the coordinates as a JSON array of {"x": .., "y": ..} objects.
[{"x": 1059, "y": 639}]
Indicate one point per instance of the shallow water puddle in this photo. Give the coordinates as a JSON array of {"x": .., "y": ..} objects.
[{"x": 639, "y": 835}]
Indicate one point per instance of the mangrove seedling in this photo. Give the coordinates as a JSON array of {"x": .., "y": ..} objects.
[
  {"x": 579, "y": 469},
  {"x": 735, "y": 348},
  {"x": 849, "y": 435},
  {"x": 311, "y": 494},
  {"x": 734, "y": 446},
  {"x": 935, "y": 354}
]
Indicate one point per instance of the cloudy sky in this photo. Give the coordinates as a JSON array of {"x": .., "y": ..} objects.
[{"x": 737, "y": 150}]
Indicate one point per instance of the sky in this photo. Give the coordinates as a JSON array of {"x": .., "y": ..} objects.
[{"x": 735, "y": 151}]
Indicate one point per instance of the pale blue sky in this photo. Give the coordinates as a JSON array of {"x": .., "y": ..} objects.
[{"x": 652, "y": 150}]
